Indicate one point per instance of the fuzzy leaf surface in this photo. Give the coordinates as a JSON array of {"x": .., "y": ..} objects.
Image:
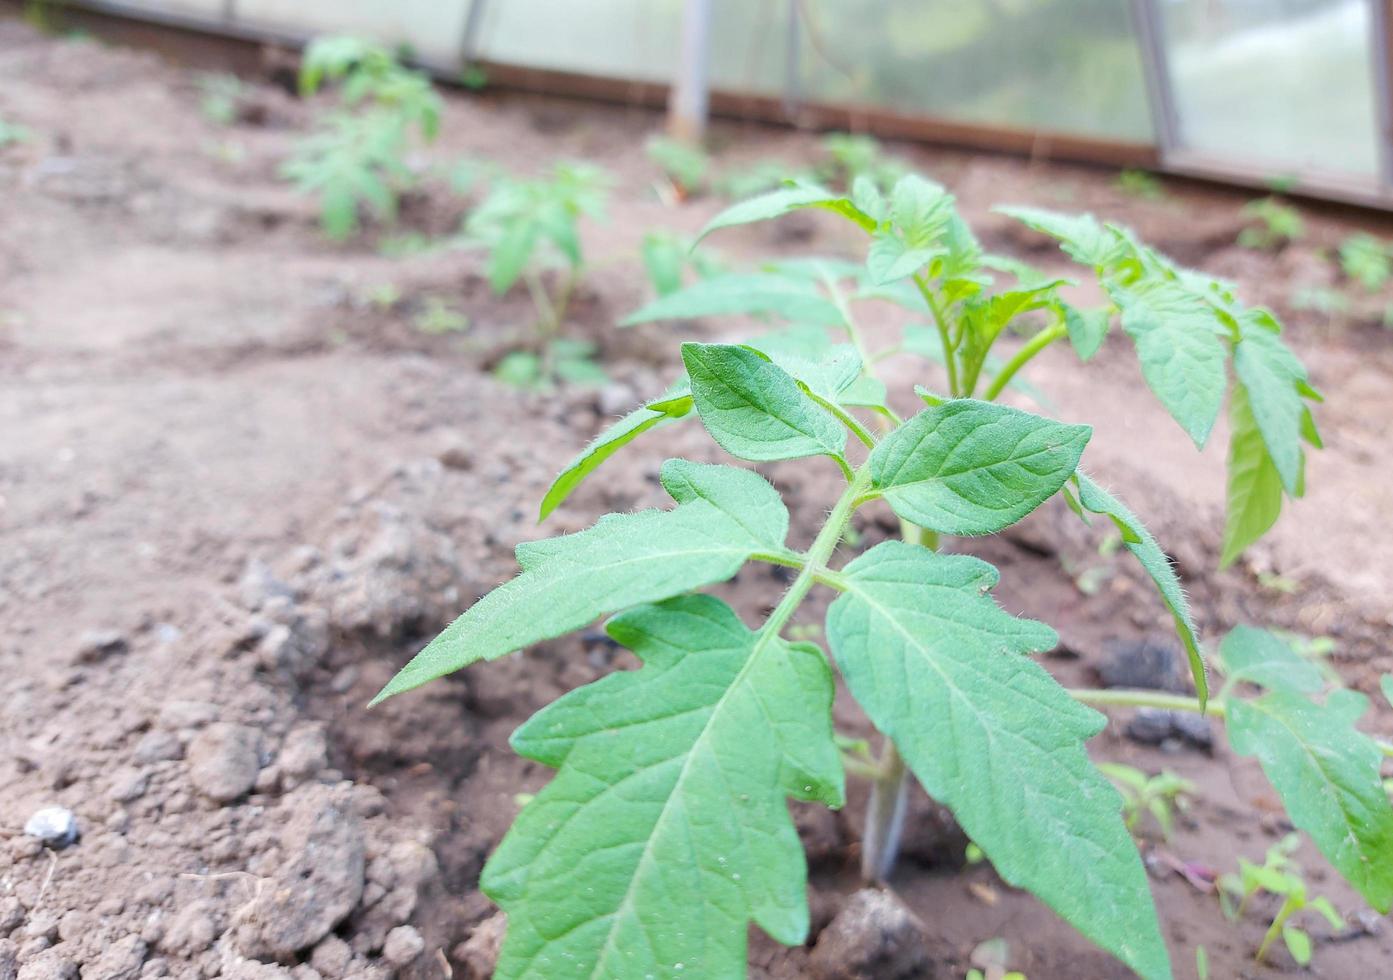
[
  {"x": 1254, "y": 485},
  {"x": 1081, "y": 236},
  {"x": 1259, "y": 657},
  {"x": 944, "y": 672},
  {"x": 973, "y": 467},
  {"x": 666, "y": 831},
  {"x": 784, "y": 200},
  {"x": 1327, "y": 774},
  {"x": 752, "y": 294},
  {"x": 1087, "y": 329},
  {"x": 723, "y": 516},
  {"x": 676, "y": 404},
  {"x": 1156, "y": 564},
  {"x": 1270, "y": 373},
  {"x": 1180, "y": 345},
  {"x": 755, "y": 409}
]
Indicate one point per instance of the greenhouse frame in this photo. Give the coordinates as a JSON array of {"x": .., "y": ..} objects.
[{"x": 1292, "y": 94}]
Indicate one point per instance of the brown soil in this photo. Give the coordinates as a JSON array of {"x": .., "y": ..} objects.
[{"x": 273, "y": 490}]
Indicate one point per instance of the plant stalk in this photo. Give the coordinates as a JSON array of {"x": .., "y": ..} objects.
[
  {"x": 1032, "y": 347},
  {"x": 885, "y": 812}
]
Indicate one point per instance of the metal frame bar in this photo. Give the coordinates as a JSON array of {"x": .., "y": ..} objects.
[
  {"x": 469, "y": 39},
  {"x": 1156, "y": 76},
  {"x": 1380, "y": 53},
  {"x": 793, "y": 70}
]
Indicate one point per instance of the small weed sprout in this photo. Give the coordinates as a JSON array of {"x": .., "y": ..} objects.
[
  {"x": 686, "y": 166},
  {"x": 355, "y": 160},
  {"x": 220, "y": 97},
  {"x": 1365, "y": 260},
  {"x": 1272, "y": 224},
  {"x": 1160, "y": 795},
  {"x": 528, "y": 226},
  {"x": 1280, "y": 876},
  {"x": 853, "y": 155},
  {"x": 669, "y": 804},
  {"x": 1141, "y": 184}
]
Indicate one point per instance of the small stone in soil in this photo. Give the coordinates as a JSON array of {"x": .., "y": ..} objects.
[
  {"x": 403, "y": 945},
  {"x": 1158, "y": 726},
  {"x": 1149, "y": 665},
  {"x": 97, "y": 645},
  {"x": 873, "y": 937},
  {"x": 224, "y": 761},
  {"x": 54, "y": 826}
]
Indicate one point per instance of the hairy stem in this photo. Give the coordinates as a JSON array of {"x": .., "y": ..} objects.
[
  {"x": 1274, "y": 930},
  {"x": 880, "y": 843},
  {"x": 943, "y": 337},
  {"x": 1122, "y": 698},
  {"x": 1032, "y": 347}
]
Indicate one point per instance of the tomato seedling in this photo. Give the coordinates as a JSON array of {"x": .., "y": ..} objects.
[
  {"x": 355, "y": 159},
  {"x": 665, "y": 830},
  {"x": 1281, "y": 876},
  {"x": 1159, "y": 795},
  {"x": 526, "y": 226},
  {"x": 1271, "y": 224}
]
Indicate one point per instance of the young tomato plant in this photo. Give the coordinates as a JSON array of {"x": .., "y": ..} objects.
[
  {"x": 1278, "y": 875},
  {"x": 1365, "y": 259},
  {"x": 526, "y": 226},
  {"x": 665, "y": 830},
  {"x": 1272, "y": 223},
  {"x": 1159, "y": 795},
  {"x": 356, "y": 158}
]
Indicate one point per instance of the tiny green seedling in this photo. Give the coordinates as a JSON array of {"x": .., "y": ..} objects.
[
  {"x": 438, "y": 316},
  {"x": 668, "y": 258},
  {"x": 12, "y": 133},
  {"x": 1142, "y": 184},
  {"x": 1272, "y": 224},
  {"x": 665, "y": 831},
  {"x": 686, "y": 166},
  {"x": 1160, "y": 795},
  {"x": 1278, "y": 875},
  {"x": 1365, "y": 260},
  {"x": 220, "y": 97},
  {"x": 527, "y": 226},
  {"x": 355, "y": 160},
  {"x": 853, "y": 155}
]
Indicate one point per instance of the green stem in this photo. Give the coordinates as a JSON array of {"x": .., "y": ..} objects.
[
  {"x": 853, "y": 331},
  {"x": 844, "y": 417},
  {"x": 1274, "y": 930},
  {"x": 1032, "y": 347},
  {"x": 943, "y": 337},
  {"x": 885, "y": 812},
  {"x": 1121, "y": 698}
]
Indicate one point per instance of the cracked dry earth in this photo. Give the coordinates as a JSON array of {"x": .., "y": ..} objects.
[{"x": 235, "y": 495}]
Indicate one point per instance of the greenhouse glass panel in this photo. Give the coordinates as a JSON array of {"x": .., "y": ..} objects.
[
  {"x": 637, "y": 39},
  {"x": 1069, "y": 66},
  {"x": 433, "y": 29},
  {"x": 1285, "y": 82}
]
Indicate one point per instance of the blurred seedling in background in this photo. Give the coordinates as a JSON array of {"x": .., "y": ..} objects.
[
  {"x": 438, "y": 316},
  {"x": 1161, "y": 795},
  {"x": 530, "y": 229},
  {"x": 1365, "y": 260},
  {"x": 1281, "y": 877},
  {"x": 670, "y": 262},
  {"x": 685, "y": 166},
  {"x": 355, "y": 161},
  {"x": 1329, "y": 304},
  {"x": 852, "y": 155},
  {"x": 1272, "y": 224},
  {"x": 13, "y": 133},
  {"x": 990, "y": 960},
  {"x": 220, "y": 97},
  {"x": 1141, "y": 184}
]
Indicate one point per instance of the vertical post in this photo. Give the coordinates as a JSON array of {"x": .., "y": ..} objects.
[
  {"x": 1160, "y": 96},
  {"x": 469, "y": 41},
  {"x": 1380, "y": 53},
  {"x": 793, "y": 81},
  {"x": 687, "y": 105}
]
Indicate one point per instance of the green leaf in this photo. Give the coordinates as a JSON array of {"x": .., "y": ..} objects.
[
  {"x": 889, "y": 260},
  {"x": 1269, "y": 373},
  {"x": 757, "y": 294},
  {"x": 723, "y": 516},
  {"x": 509, "y": 257},
  {"x": 664, "y": 258},
  {"x": 942, "y": 671},
  {"x": 920, "y": 210},
  {"x": 666, "y": 831},
  {"x": 1298, "y": 944},
  {"x": 1386, "y": 685},
  {"x": 1180, "y": 345},
  {"x": 781, "y": 202},
  {"x": 972, "y": 467},
  {"x": 1138, "y": 540},
  {"x": 754, "y": 409},
  {"x": 1087, "y": 329},
  {"x": 1327, "y": 774},
  {"x": 676, "y": 404},
  {"x": 1254, "y": 485},
  {"x": 1260, "y": 657},
  {"x": 1081, "y": 236}
]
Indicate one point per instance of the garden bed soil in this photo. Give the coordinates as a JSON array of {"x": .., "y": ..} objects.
[{"x": 239, "y": 487}]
